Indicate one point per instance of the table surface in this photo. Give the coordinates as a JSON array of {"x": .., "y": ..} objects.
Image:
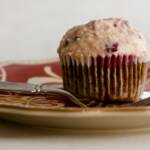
[{"x": 15, "y": 136}]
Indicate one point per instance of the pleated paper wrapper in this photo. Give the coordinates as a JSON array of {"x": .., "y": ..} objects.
[{"x": 109, "y": 78}]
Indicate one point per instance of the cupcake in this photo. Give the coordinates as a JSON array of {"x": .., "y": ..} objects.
[{"x": 105, "y": 59}]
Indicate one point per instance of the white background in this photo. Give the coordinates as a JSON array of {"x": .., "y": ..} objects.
[{"x": 32, "y": 29}]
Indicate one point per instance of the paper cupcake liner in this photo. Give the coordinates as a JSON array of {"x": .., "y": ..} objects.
[
  {"x": 147, "y": 86},
  {"x": 115, "y": 78}
]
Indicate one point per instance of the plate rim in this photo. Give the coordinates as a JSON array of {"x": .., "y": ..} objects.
[{"x": 77, "y": 110}]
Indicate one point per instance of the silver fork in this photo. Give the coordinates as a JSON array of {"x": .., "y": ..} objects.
[{"x": 25, "y": 88}]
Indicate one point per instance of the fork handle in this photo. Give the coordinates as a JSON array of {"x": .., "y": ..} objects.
[{"x": 25, "y": 88}]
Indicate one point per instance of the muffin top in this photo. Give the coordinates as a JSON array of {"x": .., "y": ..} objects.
[{"x": 112, "y": 36}]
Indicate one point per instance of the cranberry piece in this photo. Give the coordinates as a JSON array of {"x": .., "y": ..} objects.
[
  {"x": 115, "y": 25},
  {"x": 113, "y": 48}
]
